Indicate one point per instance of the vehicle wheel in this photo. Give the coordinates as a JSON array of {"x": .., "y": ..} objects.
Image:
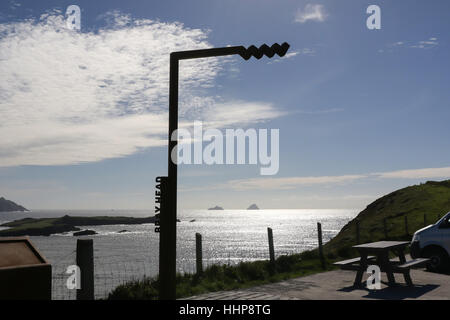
[{"x": 439, "y": 260}]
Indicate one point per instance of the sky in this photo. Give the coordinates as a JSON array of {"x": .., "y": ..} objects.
[{"x": 84, "y": 114}]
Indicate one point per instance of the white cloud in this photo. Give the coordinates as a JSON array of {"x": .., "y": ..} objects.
[
  {"x": 311, "y": 12},
  {"x": 290, "y": 55},
  {"x": 289, "y": 183},
  {"x": 426, "y": 173},
  {"x": 13, "y": 5},
  {"x": 294, "y": 182},
  {"x": 424, "y": 44},
  {"x": 304, "y": 51},
  {"x": 68, "y": 97}
]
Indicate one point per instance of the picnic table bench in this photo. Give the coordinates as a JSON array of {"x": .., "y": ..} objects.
[{"x": 380, "y": 256}]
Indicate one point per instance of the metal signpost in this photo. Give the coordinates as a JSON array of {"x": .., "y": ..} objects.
[{"x": 167, "y": 220}]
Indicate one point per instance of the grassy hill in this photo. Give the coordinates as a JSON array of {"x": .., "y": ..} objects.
[{"x": 422, "y": 205}]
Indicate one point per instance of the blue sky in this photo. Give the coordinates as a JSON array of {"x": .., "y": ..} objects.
[{"x": 361, "y": 112}]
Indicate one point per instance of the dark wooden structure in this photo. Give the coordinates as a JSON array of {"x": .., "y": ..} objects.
[{"x": 25, "y": 274}]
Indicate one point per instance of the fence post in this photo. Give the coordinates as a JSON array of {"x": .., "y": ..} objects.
[
  {"x": 85, "y": 261},
  {"x": 406, "y": 225},
  {"x": 357, "y": 232},
  {"x": 271, "y": 251},
  {"x": 198, "y": 253},
  {"x": 319, "y": 234},
  {"x": 385, "y": 228}
]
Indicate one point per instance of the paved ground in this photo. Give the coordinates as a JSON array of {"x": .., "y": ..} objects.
[{"x": 339, "y": 285}]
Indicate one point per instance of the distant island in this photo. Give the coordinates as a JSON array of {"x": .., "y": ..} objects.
[
  {"x": 216, "y": 208},
  {"x": 9, "y": 206},
  {"x": 49, "y": 226},
  {"x": 253, "y": 207}
]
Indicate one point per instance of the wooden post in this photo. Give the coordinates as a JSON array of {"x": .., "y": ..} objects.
[
  {"x": 271, "y": 250},
  {"x": 357, "y": 232},
  {"x": 319, "y": 235},
  {"x": 198, "y": 253},
  {"x": 406, "y": 225},
  {"x": 385, "y": 228},
  {"x": 85, "y": 261}
]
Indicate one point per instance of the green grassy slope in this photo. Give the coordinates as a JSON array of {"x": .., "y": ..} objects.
[{"x": 422, "y": 204}]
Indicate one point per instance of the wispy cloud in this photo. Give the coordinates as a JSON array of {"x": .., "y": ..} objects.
[
  {"x": 294, "y": 182},
  {"x": 13, "y": 5},
  {"x": 423, "y": 44},
  {"x": 311, "y": 12},
  {"x": 426, "y": 173},
  {"x": 304, "y": 51},
  {"x": 289, "y": 183},
  {"x": 69, "y": 97},
  {"x": 426, "y": 44}
]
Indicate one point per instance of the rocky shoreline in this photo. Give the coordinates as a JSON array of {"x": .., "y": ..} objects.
[{"x": 49, "y": 226}]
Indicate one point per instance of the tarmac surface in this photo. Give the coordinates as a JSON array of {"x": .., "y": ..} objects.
[{"x": 338, "y": 285}]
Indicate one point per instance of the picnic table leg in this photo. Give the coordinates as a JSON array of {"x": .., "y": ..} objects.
[
  {"x": 408, "y": 279},
  {"x": 401, "y": 255},
  {"x": 386, "y": 265},
  {"x": 361, "y": 270},
  {"x": 406, "y": 273}
]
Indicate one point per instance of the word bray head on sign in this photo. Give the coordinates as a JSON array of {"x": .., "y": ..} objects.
[
  {"x": 159, "y": 201},
  {"x": 228, "y": 148}
]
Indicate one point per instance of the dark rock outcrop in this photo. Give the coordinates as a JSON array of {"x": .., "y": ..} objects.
[
  {"x": 48, "y": 226},
  {"x": 9, "y": 206},
  {"x": 84, "y": 233}
]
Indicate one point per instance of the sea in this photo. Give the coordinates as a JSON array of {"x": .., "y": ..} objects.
[{"x": 130, "y": 252}]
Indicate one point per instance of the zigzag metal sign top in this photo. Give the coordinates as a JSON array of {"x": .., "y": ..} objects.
[
  {"x": 258, "y": 53},
  {"x": 245, "y": 53}
]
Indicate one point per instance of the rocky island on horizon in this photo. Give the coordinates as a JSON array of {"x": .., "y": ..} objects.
[
  {"x": 10, "y": 206},
  {"x": 253, "y": 207},
  {"x": 216, "y": 208}
]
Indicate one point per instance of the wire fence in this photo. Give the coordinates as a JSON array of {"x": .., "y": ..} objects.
[
  {"x": 107, "y": 276},
  {"x": 117, "y": 271}
]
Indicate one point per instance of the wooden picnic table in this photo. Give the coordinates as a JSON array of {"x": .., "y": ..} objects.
[{"x": 378, "y": 253}]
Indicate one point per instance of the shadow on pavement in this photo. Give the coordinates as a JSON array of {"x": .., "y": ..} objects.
[{"x": 397, "y": 292}]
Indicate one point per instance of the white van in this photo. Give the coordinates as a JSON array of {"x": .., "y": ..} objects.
[{"x": 433, "y": 242}]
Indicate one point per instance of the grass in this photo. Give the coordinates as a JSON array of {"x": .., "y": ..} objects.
[
  {"x": 431, "y": 199},
  {"x": 30, "y": 223},
  {"x": 225, "y": 277}
]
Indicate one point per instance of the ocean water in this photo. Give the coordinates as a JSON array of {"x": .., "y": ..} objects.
[{"x": 229, "y": 236}]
